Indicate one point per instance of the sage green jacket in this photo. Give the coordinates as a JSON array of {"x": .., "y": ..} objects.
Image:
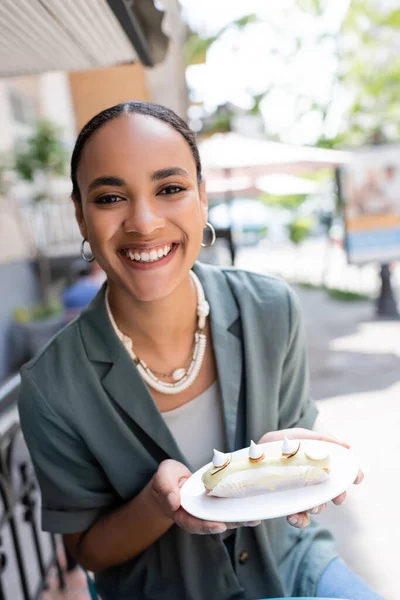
[{"x": 96, "y": 437}]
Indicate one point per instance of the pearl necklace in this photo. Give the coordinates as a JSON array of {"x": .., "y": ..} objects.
[{"x": 183, "y": 377}]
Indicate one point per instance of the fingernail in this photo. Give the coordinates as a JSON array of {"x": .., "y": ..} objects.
[
  {"x": 314, "y": 510},
  {"x": 219, "y": 529},
  {"x": 293, "y": 520},
  {"x": 360, "y": 478},
  {"x": 252, "y": 523}
]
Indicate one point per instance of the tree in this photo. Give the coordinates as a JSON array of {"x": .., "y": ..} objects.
[
  {"x": 370, "y": 71},
  {"x": 41, "y": 157},
  {"x": 363, "y": 44},
  {"x": 37, "y": 160}
]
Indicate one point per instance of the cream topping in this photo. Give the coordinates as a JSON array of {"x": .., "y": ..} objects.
[
  {"x": 255, "y": 451},
  {"x": 219, "y": 458},
  {"x": 318, "y": 452},
  {"x": 290, "y": 446}
]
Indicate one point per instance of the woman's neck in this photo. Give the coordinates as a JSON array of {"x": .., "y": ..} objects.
[{"x": 158, "y": 323}]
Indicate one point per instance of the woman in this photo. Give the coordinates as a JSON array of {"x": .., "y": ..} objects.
[{"x": 117, "y": 412}]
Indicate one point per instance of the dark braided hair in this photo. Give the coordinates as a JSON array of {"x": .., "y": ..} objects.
[{"x": 125, "y": 108}]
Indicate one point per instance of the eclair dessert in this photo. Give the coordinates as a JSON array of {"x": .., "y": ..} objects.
[{"x": 266, "y": 469}]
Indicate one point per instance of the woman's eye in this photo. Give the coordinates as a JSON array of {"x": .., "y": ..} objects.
[
  {"x": 109, "y": 199},
  {"x": 172, "y": 189}
]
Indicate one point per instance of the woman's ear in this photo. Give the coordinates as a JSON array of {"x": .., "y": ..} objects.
[
  {"x": 80, "y": 219},
  {"x": 203, "y": 201}
]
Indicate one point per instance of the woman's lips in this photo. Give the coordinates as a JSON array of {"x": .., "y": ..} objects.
[{"x": 151, "y": 264}]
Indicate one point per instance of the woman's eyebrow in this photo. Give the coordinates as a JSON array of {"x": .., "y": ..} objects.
[
  {"x": 168, "y": 172},
  {"x": 106, "y": 180}
]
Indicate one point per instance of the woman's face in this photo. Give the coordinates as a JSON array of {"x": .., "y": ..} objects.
[{"x": 142, "y": 209}]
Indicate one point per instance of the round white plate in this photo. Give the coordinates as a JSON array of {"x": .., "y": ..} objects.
[{"x": 344, "y": 469}]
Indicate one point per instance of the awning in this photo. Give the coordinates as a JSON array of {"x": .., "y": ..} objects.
[
  {"x": 75, "y": 35},
  {"x": 241, "y": 155}
]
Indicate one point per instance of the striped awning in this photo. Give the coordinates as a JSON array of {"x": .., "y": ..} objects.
[{"x": 74, "y": 35}]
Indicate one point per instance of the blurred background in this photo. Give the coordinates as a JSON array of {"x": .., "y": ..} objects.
[{"x": 295, "y": 106}]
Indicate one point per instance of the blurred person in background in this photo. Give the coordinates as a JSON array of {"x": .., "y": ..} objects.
[{"x": 170, "y": 360}]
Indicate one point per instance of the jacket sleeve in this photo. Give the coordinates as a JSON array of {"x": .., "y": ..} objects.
[
  {"x": 74, "y": 489},
  {"x": 296, "y": 407}
]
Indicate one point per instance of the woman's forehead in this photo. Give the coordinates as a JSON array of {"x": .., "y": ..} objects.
[{"x": 131, "y": 140}]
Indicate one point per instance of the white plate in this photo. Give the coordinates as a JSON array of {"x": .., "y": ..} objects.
[{"x": 344, "y": 469}]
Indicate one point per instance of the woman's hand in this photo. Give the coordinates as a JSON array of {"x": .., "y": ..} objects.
[
  {"x": 165, "y": 487},
  {"x": 302, "y": 519}
]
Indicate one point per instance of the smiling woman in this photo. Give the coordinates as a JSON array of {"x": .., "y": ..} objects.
[{"x": 171, "y": 359}]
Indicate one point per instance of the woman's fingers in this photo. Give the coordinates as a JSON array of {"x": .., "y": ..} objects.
[
  {"x": 359, "y": 479},
  {"x": 193, "y": 525},
  {"x": 317, "y": 509},
  {"x": 299, "y": 520},
  {"x": 166, "y": 483},
  {"x": 339, "y": 499},
  {"x": 299, "y": 433}
]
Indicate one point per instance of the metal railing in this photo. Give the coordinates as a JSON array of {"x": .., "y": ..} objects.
[
  {"x": 51, "y": 226},
  {"x": 26, "y": 554}
]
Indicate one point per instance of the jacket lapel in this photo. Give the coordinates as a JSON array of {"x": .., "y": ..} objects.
[
  {"x": 122, "y": 380},
  {"x": 227, "y": 343}
]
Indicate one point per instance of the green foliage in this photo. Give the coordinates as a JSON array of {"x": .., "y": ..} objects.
[
  {"x": 219, "y": 123},
  {"x": 315, "y": 7},
  {"x": 300, "y": 228},
  {"x": 43, "y": 152},
  {"x": 370, "y": 71},
  {"x": 244, "y": 21},
  {"x": 4, "y": 167},
  {"x": 335, "y": 293},
  {"x": 196, "y": 46},
  {"x": 366, "y": 49},
  {"x": 53, "y": 308},
  {"x": 291, "y": 202},
  {"x": 257, "y": 99}
]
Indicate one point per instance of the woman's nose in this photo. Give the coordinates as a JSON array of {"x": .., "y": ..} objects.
[{"x": 143, "y": 217}]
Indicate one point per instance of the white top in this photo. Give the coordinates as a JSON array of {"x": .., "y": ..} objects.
[{"x": 197, "y": 426}]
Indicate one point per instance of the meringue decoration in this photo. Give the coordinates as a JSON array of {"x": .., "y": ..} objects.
[
  {"x": 290, "y": 447},
  {"x": 220, "y": 459},
  {"x": 255, "y": 453}
]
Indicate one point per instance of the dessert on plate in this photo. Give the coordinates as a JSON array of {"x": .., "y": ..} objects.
[{"x": 267, "y": 468}]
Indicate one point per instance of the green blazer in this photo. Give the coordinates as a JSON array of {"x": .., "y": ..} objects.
[{"x": 96, "y": 437}]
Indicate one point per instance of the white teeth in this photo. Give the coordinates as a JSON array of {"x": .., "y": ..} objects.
[{"x": 150, "y": 256}]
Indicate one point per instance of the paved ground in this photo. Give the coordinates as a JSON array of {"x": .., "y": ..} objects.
[{"x": 355, "y": 374}]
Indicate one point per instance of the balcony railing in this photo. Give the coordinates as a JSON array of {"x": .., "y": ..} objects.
[
  {"x": 26, "y": 553},
  {"x": 52, "y": 227}
]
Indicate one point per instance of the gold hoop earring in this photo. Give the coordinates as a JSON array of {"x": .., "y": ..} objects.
[
  {"x": 213, "y": 236},
  {"x": 86, "y": 258}
]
